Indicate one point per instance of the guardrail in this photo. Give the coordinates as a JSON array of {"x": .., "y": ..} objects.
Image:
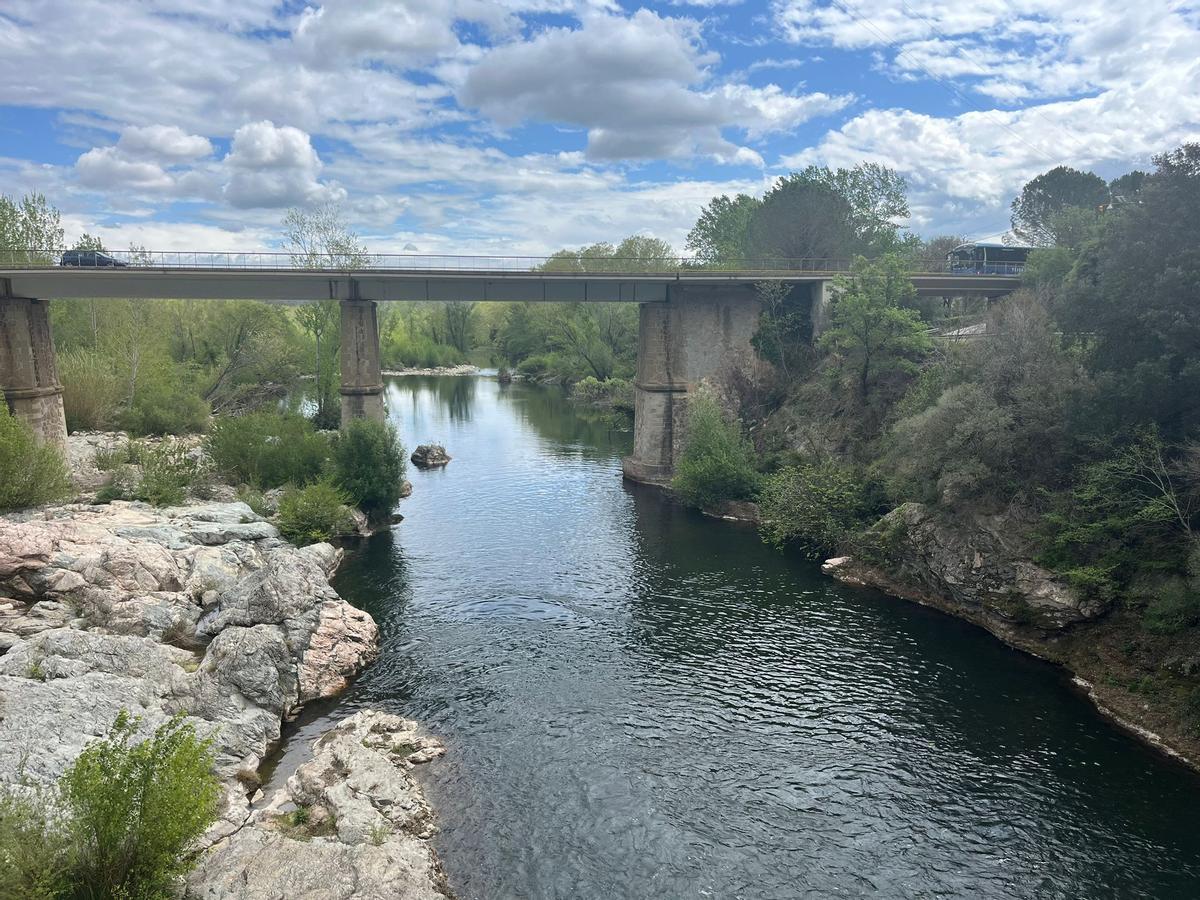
[{"x": 400, "y": 262}]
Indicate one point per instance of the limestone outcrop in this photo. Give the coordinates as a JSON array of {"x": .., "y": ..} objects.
[
  {"x": 350, "y": 823},
  {"x": 981, "y": 568}
]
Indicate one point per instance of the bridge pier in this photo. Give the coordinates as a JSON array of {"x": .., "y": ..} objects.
[
  {"x": 698, "y": 332},
  {"x": 362, "y": 379},
  {"x": 28, "y": 370}
]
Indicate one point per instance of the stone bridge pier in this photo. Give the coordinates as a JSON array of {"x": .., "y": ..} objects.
[
  {"x": 362, "y": 379},
  {"x": 698, "y": 332},
  {"x": 28, "y": 370}
]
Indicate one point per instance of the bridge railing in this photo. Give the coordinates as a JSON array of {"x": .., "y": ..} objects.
[{"x": 400, "y": 262}]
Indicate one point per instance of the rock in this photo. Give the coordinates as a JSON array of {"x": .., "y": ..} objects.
[
  {"x": 366, "y": 830},
  {"x": 428, "y": 456},
  {"x": 980, "y": 567},
  {"x": 406, "y": 489},
  {"x": 201, "y": 609}
]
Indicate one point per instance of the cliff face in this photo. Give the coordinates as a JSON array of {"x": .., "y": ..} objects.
[{"x": 981, "y": 568}]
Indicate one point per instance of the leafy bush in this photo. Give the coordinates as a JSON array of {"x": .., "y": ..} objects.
[
  {"x": 717, "y": 462},
  {"x": 136, "y": 807},
  {"x": 160, "y": 474},
  {"x": 268, "y": 450},
  {"x": 1173, "y": 606},
  {"x": 34, "y": 852},
  {"x": 166, "y": 402},
  {"x": 369, "y": 465},
  {"x": 30, "y": 473},
  {"x": 402, "y": 351},
  {"x": 119, "y": 824},
  {"x": 314, "y": 513},
  {"x": 813, "y": 506},
  {"x": 616, "y": 392},
  {"x": 92, "y": 390}
]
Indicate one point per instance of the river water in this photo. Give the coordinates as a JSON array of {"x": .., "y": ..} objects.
[{"x": 643, "y": 703}]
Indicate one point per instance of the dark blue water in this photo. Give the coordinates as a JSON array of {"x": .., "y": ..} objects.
[{"x": 643, "y": 703}]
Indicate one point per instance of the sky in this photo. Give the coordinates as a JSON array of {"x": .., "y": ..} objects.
[{"x": 523, "y": 126}]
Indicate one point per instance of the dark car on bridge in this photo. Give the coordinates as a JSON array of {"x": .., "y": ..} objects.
[{"x": 96, "y": 258}]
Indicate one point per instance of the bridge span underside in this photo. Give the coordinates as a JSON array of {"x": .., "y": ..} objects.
[{"x": 692, "y": 326}]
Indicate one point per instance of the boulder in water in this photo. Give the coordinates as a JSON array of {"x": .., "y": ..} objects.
[{"x": 429, "y": 456}]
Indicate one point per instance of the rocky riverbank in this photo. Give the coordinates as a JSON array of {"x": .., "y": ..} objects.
[
  {"x": 203, "y": 609},
  {"x": 464, "y": 369},
  {"x": 981, "y": 569}
]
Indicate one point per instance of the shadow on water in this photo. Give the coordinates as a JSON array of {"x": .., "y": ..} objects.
[{"x": 642, "y": 702}]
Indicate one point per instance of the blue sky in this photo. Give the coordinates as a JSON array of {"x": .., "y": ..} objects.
[{"x": 521, "y": 126}]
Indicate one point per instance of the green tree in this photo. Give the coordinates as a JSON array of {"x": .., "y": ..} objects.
[
  {"x": 1130, "y": 304},
  {"x": 813, "y": 506},
  {"x": 1045, "y": 197},
  {"x": 871, "y": 335},
  {"x": 719, "y": 236},
  {"x": 30, "y": 230}
]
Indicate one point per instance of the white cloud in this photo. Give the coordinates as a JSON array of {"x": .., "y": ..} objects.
[
  {"x": 637, "y": 86},
  {"x": 164, "y": 142},
  {"x": 273, "y": 167},
  {"x": 106, "y": 168}
]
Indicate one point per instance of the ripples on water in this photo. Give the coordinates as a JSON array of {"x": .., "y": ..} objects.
[{"x": 641, "y": 703}]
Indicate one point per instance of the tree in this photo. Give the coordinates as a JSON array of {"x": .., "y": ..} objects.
[
  {"x": 1130, "y": 304},
  {"x": 323, "y": 321},
  {"x": 30, "y": 230},
  {"x": 459, "y": 324},
  {"x": 870, "y": 334},
  {"x": 719, "y": 235},
  {"x": 1043, "y": 198},
  {"x": 822, "y": 213},
  {"x": 321, "y": 240},
  {"x": 90, "y": 242}
]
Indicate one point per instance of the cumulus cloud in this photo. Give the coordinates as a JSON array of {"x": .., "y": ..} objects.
[
  {"x": 274, "y": 166},
  {"x": 637, "y": 86},
  {"x": 106, "y": 168},
  {"x": 164, "y": 142}
]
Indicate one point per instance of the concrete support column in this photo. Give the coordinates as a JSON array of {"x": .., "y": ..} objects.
[
  {"x": 28, "y": 371},
  {"x": 822, "y": 302},
  {"x": 362, "y": 381},
  {"x": 698, "y": 333}
]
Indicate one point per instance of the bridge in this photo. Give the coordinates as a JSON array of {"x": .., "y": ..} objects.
[{"x": 694, "y": 320}]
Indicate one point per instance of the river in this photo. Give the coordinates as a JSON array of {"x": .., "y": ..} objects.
[{"x": 640, "y": 702}]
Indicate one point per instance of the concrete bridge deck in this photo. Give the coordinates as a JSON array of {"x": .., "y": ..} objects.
[
  {"x": 693, "y": 323},
  {"x": 405, "y": 284}
]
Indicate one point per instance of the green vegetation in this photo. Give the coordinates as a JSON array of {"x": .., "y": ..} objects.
[
  {"x": 267, "y": 450},
  {"x": 30, "y": 474},
  {"x": 158, "y": 474},
  {"x": 717, "y": 462},
  {"x": 814, "y": 506},
  {"x": 316, "y": 512},
  {"x": 120, "y": 823},
  {"x": 369, "y": 466}
]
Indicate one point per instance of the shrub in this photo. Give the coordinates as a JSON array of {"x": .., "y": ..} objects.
[
  {"x": 129, "y": 813},
  {"x": 34, "y": 853},
  {"x": 616, "y": 392},
  {"x": 314, "y": 513},
  {"x": 167, "y": 473},
  {"x": 717, "y": 462},
  {"x": 166, "y": 402},
  {"x": 813, "y": 506},
  {"x": 1172, "y": 607},
  {"x": 30, "y": 473},
  {"x": 92, "y": 390},
  {"x": 268, "y": 450},
  {"x": 369, "y": 464}
]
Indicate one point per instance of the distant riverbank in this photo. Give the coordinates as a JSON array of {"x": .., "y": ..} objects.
[{"x": 464, "y": 369}]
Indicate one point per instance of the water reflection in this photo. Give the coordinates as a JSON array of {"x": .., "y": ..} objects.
[{"x": 641, "y": 702}]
